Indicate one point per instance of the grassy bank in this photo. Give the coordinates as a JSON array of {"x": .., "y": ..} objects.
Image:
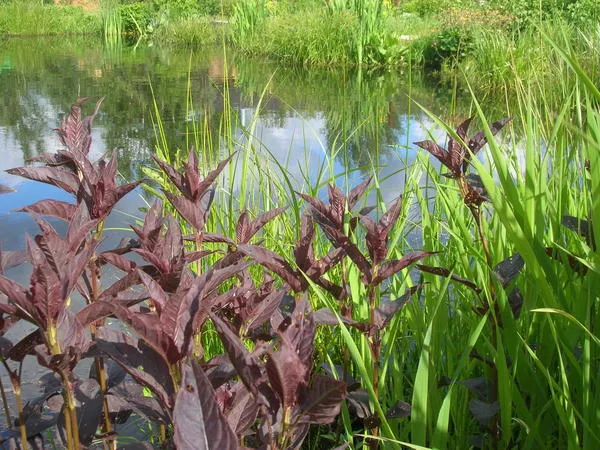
[
  {"x": 24, "y": 18},
  {"x": 493, "y": 45}
]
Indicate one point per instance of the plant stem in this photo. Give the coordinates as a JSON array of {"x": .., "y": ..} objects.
[
  {"x": 70, "y": 412},
  {"x": 477, "y": 215},
  {"x": 374, "y": 344},
  {"x": 5, "y": 403},
  {"x": 99, "y": 361},
  {"x": 198, "y": 351},
  {"x": 102, "y": 380},
  {"x": 18, "y": 399}
]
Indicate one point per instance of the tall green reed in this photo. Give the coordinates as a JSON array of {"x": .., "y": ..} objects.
[{"x": 112, "y": 23}]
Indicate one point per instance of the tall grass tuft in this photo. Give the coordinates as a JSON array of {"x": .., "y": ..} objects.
[
  {"x": 112, "y": 23},
  {"x": 247, "y": 18}
]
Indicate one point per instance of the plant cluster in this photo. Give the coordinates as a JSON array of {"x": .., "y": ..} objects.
[{"x": 264, "y": 396}]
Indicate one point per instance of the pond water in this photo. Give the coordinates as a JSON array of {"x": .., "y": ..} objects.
[{"x": 304, "y": 116}]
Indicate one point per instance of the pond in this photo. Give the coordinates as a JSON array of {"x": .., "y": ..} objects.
[{"x": 307, "y": 120}]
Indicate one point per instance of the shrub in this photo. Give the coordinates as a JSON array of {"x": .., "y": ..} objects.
[
  {"x": 136, "y": 17},
  {"x": 448, "y": 45}
]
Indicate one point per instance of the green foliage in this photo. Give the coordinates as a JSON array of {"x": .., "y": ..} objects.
[
  {"x": 191, "y": 32},
  {"x": 530, "y": 11},
  {"x": 430, "y": 7},
  {"x": 25, "y": 18},
  {"x": 449, "y": 45},
  {"x": 210, "y": 7},
  {"x": 177, "y": 8},
  {"x": 248, "y": 16},
  {"x": 136, "y": 17},
  {"x": 584, "y": 12},
  {"x": 502, "y": 61}
]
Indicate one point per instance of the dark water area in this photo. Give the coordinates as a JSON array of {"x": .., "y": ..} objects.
[{"x": 343, "y": 121}]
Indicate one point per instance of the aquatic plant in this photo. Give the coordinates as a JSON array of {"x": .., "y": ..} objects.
[{"x": 276, "y": 380}]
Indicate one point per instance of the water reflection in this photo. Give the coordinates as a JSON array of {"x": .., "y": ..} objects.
[{"x": 309, "y": 121}]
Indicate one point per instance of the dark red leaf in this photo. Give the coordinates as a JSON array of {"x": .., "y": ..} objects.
[
  {"x": 399, "y": 410},
  {"x": 125, "y": 189},
  {"x": 111, "y": 292},
  {"x": 76, "y": 133},
  {"x": 199, "y": 423},
  {"x": 118, "y": 261},
  {"x": 175, "y": 177},
  {"x": 149, "y": 328},
  {"x": 52, "y": 208},
  {"x": 212, "y": 176},
  {"x": 132, "y": 393},
  {"x": 244, "y": 411},
  {"x": 72, "y": 333},
  {"x": 89, "y": 409},
  {"x": 477, "y": 142},
  {"x": 16, "y": 294},
  {"x": 287, "y": 374},
  {"x": 323, "y": 265},
  {"x": 211, "y": 237},
  {"x": 394, "y": 266},
  {"x": 322, "y": 401},
  {"x": 245, "y": 364},
  {"x": 26, "y": 346},
  {"x": 264, "y": 310},
  {"x": 357, "y": 192},
  {"x": 437, "y": 151},
  {"x": 456, "y": 149},
  {"x": 317, "y": 205},
  {"x": 355, "y": 255},
  {"x": 326, "y": 316},
  {"x": 55, "y": 176},
  {"x": 443, "y": 272},
  {"x": 506, "y": 271},
  {"x": 257, "y": 224},
  {"x": 337, "y": 205},
  {"x": 273, "y": 262},
  {"x": 11, "y": 258},
  {"x": 303, "y": 250},
  {"x": 94, "y": 311},
  {"x": 5, "y": 189},
  {"x": 158, "y": 297},
  {"x": 139, "y": 360},
  {"x": 359, "y": 403},
  {"x": 387, "y": 309},
  {"x": 188, "y": 210},
  {"x": 389, "y": 219},
  {"x": 299, "y": 331},
  {"x": 242, "y": 227}
]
